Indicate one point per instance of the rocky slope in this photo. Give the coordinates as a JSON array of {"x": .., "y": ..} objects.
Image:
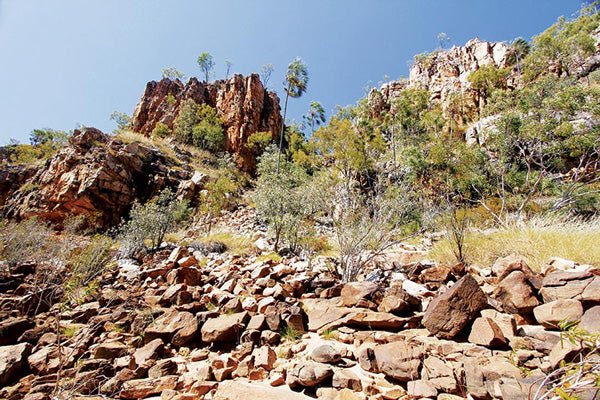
[
  {"x": 242, "y": 103},
  {"x": 188, "y": 323},
  {"x": 96, "y": 176}
]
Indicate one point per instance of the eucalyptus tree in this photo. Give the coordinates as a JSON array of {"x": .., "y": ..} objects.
[
  {"x": 296, "y": 81},
  {"x": 173, "y": 73},
  {"x": 265, "y": 73},
  {"x": 206, "y": 64}
]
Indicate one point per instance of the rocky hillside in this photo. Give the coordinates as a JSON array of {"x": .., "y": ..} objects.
[
  {"x": 194, "y": 323},
  {"x": 242, "y": 103},
  {"x": 96, "y": 176}
]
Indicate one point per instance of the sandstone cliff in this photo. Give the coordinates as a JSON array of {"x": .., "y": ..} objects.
[
  {"x": 242, "y": 103},
  {"x": 96, "y": 176}
]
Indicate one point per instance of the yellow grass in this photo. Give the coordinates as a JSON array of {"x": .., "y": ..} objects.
[
  {"x": 235, "y": 244},
  {"x": 537, "y": 240}
]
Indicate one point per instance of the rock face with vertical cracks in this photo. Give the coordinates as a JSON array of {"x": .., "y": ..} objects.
[
  {"x": 242, "y": 103},
  {"x": 96, "y": 176}
]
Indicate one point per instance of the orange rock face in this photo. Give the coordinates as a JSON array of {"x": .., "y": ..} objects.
[{"x": 242, "y": 103}]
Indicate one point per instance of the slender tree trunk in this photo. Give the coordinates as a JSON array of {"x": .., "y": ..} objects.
[
  {"x": 287, "y": 96},
  {"x": 394, "y": 140}
]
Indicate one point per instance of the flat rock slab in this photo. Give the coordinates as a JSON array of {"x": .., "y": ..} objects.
[
  {"x": 237, "y": 390},
  {"x": 322, "y": 312}
]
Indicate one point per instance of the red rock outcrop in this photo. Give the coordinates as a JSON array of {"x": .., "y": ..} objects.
[
  {"x": 242, "y": 103},
  {"x": 97, "y": 176}
]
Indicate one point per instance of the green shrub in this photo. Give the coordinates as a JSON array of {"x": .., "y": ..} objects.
[
  {"x": 85, "y": 266},
  {"x": 25, "y": 241},
  {"x": 161, "y": 130},
  {"x": 150, "y": 222},
  {"x": 198, "y": 124},
  {"x": 259, "y": 141}
]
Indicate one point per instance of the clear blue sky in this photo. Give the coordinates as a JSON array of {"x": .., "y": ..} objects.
[{"x": 64, "y": 62}]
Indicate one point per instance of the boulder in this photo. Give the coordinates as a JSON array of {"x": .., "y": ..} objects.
[
  {"x": 151, "y": 351},
  {"x": 13, "y": 362},
  {"x": 400, "y": 360},
  {"x": 486, "y": 332},
  {"x": 566, "y": 285},
  {"x": 355, "y": 293},
  {"x": 308, "y": 374},
  {"x": 450, "y": 312},
  {"x": 591, "y": 320},
  {"x": 553, "y": 313},
  {"x": 109, "y": 350},
  {"x": 516, "y": 294},
  {"x": 12, "y": 328},
  {"x": 225, "y": 328},
  {"x": 325, "y": 353},
  {"x": 397, "y": 300},
  {"x": 177, "y": 327}
]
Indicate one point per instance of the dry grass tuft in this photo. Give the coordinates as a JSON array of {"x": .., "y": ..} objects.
[{"x": 538, "y": 240}]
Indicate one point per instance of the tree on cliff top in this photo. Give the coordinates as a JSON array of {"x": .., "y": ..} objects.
[{"x": 206, "y": 63}]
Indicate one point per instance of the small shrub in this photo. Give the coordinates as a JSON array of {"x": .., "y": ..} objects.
[
  {"x": 198, "y": 124},
  {"x": 150, "y": 222},
  {"x": 259, "y": 141},
  {"x": 161, "y": 130},
  {"x": 291, "y": 334},
  {"x": 25, "y": 241}
]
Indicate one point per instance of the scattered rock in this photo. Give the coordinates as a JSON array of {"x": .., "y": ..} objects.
[{"x": 553, "y": 313}]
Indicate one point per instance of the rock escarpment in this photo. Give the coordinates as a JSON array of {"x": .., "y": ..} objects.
[
  {"x": 95, "y": 176},
  {"x": 242, "y": 103},
  {"x": 445, "y": 72}
]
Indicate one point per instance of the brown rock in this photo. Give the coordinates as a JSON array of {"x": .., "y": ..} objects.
[
  {"x": 451, "y": 311},
  {"x": 345, "y": 378},
  {"x": 308, "y": 374},
  {"x": 399, "y": 360},
  {"x": 355, "y": 292},
  {"x": 516, "y": 294},
  {"x": 591, "y": 320},
  {"x": 565, "y": 285},
  {"x": 397, "y": 300},
  {"x": 109, "y": 350},
  {"x": 178, "y": 327},
  {"x": 12, "y": 328},
  {"x": 554, "y": 312},
  {"x": 326, "y": 353},
  {"x": 225, "y": 328},
  {"x": 486, "y": 332},
  {"x": 151, "y": 351},
  {"x": 13, "y": 362},
  {"x": 264, "y": 357},
  {"x": 242, "y": 103},
  {"x": 141, "y": 388},
  {"x": 236, "y": 390},
  {"x": 162, "y": 368}
]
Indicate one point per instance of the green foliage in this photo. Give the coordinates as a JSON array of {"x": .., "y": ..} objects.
[
  {"x": 85, "y": 266},
  {"x": 278, "y": 197},
  {"x": 123, "y": 120},
  {"x": 290, "y": 334},
  {"x": 220, "y": 194},
  {"x": 296, "y": 78},
  {"x": 173, "y": 73},
  {"x": 198, "y": 124},
  {"x": 150, "y": 222},
  {"x": 25, "y": 241},
  {"x": 488, "y": 78},
  {"x": 259, "y": 141},
  {"x": 206, "y": 64},
  {"x": 54, "y": 138},
  {"x": 43, "y": 144},
  {"x": 315, "y": 115},
  {"x": 161, "y": 130}
]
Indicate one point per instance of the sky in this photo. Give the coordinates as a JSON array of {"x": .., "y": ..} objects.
[{"x": 70, "y": 62}]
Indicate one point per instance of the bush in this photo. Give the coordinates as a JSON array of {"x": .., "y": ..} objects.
[
  {"x": 161, "y": 130},
  {"x": 219, "y": 195},
  {"x": 198, "y": 124},
  {"x": 150, "y": 222},
  {"x": 259, "y": 141},
  {"x": 25, "y": 241},
  {"x": 86, "y": 265}
]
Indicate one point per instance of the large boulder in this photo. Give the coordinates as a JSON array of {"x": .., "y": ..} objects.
[
  {"x": 516, "y": 293},
  {"x": 579, "y": 285},
  {"x": 562, "y": 310},
  {"x": 225, "y": 328},
  {"x": 237, "y": 390},
  {"x": 13, "y": 362},
  {"x": 450, "y": 312},
  {"x": 177, "y": 327},
  {"x": 242, "y": 103}
]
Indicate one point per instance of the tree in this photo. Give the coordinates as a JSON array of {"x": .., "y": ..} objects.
[
  {"x": 199, "y": 124},
  {"x": 48, "y": 137},
  {"x": 206, "y": 63},
  {"x": 121, "y": 119},
  {"x": 173, "y": 73},
  {"x": 265, "y": 73},
  {"x": 519, "y": 49},
  {"x": 443, "y": 39},
  {"x": 219, "y": 195},
  {"x": 296, "y": 81},
  {"x": 228, "y": 63},
  {"x": 315, "y": 115}
]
